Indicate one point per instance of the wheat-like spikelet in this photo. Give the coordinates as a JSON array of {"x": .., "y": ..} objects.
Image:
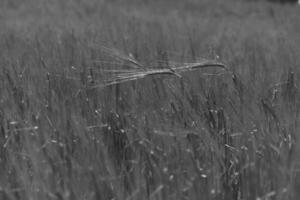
[
  {"x": 136, "y": 74},
  {"x": 121, "y": 76},
  {"x": 136, "y": 71}
]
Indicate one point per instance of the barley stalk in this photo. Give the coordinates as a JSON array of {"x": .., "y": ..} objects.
[{"x": 122, "y": 76}]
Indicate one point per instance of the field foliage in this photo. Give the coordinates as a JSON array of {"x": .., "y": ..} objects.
[{"x": 210, "y": 133}]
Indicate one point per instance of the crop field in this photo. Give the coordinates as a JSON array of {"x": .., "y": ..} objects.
[{"x": 155, "y": 100}]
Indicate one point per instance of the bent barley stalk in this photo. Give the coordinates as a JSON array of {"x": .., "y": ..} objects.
[{"x": 138, "y": 71}]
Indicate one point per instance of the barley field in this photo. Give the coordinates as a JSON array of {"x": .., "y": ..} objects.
[{"x": 156, "y": 100}]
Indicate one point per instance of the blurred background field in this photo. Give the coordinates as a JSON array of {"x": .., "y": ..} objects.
[{"x": 211, "y": 134}]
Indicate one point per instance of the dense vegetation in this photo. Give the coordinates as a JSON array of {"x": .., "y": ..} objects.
[{"x": 206, "y": 134}]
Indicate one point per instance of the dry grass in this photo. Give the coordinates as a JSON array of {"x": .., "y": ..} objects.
[{"x": 165, "y": 124}]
